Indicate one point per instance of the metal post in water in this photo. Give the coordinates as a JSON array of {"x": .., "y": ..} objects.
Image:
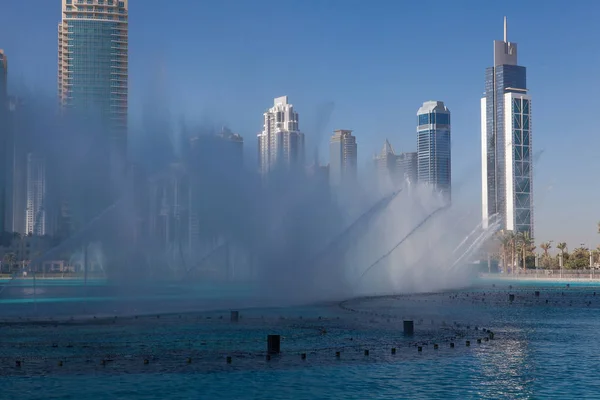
[
  {"x": 560, "y": 264},
  {"x": 537, "y": 262}
]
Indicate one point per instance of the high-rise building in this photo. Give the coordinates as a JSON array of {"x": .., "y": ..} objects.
[
  {"x": 280, "y": 144},
  {"x": 4, "y": 138},
  {"x": 342, "y": 157},
  {"x": 506, "y": 160},
  {"x": 407, "y": 167},
  {"x": 36, "y": 195},
  {"x": 93, "y": 64},
  {"x": 433, "y": 146},
  {"x": 3, "y": 79},
  {"x": 16, "y": 167}
]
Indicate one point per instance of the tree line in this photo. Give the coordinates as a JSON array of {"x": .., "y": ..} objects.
[{"x": 516, "y": 250}]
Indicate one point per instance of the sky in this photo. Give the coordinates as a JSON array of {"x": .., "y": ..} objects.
[{"x": 361, "y": 65}]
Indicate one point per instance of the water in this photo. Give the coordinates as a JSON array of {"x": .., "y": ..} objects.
[{"x": 539, "y": 350}]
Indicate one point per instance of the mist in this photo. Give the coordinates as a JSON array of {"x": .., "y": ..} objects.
[{"x": 187, "y": 205}]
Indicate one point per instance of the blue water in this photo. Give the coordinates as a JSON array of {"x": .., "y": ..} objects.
[{"x": 540, "y": 350}]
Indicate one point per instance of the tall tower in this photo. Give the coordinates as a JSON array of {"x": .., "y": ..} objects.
[
  {"x": 5, "y": 130},
  {"x": 342, "y": 157},
  {"x": 3, "y": 79},
  {"x": 280, "y": 144},
  {"x": 433, "y": 147},
  {"x": 36, "y": 195},
  {"x": 506, "y": 159},
  {"x": 93, "y": 63}
]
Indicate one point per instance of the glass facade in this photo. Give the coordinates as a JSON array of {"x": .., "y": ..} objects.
[
  {"x": 500, "y": 80},
  {"x": 433, "y": 148},
  {"x": 522, "y": 159},
  {"x": 93, "y": 63}
]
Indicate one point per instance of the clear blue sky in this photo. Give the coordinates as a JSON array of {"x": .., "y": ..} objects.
[{"x": 377, "y": 61}]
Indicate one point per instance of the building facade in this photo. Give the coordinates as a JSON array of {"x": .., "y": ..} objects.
[
  {"x": 407, "y": 167},
  {"x": 35, "y": 223},
  {"x": 93, "y": 63},
  {"x": 280, "y": 144},
  {"x": 506, "y": 140},
  {"x": 4, "y": 138},
  {"x": 433, "y": 147},
  {"x": 342, "y": 157}
]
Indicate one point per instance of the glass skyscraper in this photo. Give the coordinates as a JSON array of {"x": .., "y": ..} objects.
[
  {"x": 342, "y": 158},
  {"x": 93, "y": 63},
  {"x": 506, "y": 142},
  {"x": 433, "y": 147}
]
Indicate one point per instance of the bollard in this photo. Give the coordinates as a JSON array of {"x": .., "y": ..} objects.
[
  {"x": 479, "y": 341},
  {"x": 337, "y": 354},
  {"x": 485, "y": 339},
  {"x": 393, "y": 350},
  {"x": 491, "y": 335},
  {"x": 419, "y": 348},
  {"x": 546, "y": 301},
  {"x": 435, "y": 346},
  {"x": 468, "y": 343},
  {"x": 268, "y": 357},
  {"x": 303, "y": 356},
  {"x": 511, "y": 297},
  {"x": 409, "y": 327},
  {"x": 235, "y": 316},
  {"x": 146, "y": 361},
  {"x": 189, "y": 360},
  {"x": 537, "y": 293},
  {"x": 273, "y": 344},
  {"x": 103, "y": 362},
  {"x": 18, "y": 363},
  {"x": 228, "y": 359},
  {"x": 451, "y": 345},
  {"x": 366, "y": 352},
  {"x": 60, "y": 363}
]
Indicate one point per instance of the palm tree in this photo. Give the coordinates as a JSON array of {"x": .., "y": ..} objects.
[
  {"x": 504, "y": 248},
  {"x": 545, "y": 247},
  {"x": 526, "y": 246},
  {"x": 9, "y": 259},
  {"x": 562, "y": 246}
]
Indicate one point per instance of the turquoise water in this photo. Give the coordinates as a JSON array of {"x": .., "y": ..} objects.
[{"x": 540, "y": 350}]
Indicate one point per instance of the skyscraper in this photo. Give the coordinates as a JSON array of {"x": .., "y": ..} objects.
[
  {"x": 506, "y": 166},
  {"x": 280, "y": 144},
  {"x": 342, "y": 157},
  {"x": 3, "y": 79},
  {"x": 36, "y": 195},
  {"x": 407, "y": 167},
  {"x": 5, "y": 130},
  {"x": 93, "y": 63},
  {"x": 433, "y": 146}
]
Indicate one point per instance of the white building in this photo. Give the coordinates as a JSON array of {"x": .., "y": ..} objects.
[
  {"x": 35, "y": 222},
  {"x": 280, "y": 144}
]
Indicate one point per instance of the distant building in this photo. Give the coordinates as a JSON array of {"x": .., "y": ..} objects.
[
  {"x": 93, "y": 63},
  {"x": 280, "y": 144},
  {"x": 342, "y": 157},
  {"x": 16, "y": 168},
  {"x": 506, "y": 140},
  {"x": 433, "y": 147},
  {"x": 407, "y": 167},
  {"x": 386, "y": 165},
  {"x": 36, "y": 195},
  {"x": 5, "y": 130}
]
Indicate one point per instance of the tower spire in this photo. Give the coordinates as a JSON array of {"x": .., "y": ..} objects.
[{"x": 505, "y": 28}]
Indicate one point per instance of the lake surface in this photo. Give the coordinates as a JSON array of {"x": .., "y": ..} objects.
[{"x": 542, "y": 346}]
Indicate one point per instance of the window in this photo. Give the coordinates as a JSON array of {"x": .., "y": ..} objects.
[
  {"x": 423, "y": 119},
  {"x": 525, "y": 106},
  {"x": 517, "y": 137},
  {"x": 517, "y": 106}
]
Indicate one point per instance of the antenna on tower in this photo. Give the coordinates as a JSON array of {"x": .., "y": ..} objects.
[{"x": 505, "y": 28}]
